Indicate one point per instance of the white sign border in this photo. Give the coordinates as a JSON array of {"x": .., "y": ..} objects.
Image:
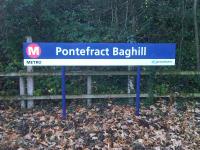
[{"x": 99, "y": 62}]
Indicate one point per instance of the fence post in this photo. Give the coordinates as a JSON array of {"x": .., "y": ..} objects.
[
  {"x": 22, "y": 91},
  {"x": 137, "y": 111},
  {"x": 130, "y": 85},
  {"x": 89, "y": 89},
  {"x": 30, "y": 83}
]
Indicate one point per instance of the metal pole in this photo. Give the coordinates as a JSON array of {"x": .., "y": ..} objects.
[
  {"x": 137, "y": 111},
  {"x": 64, "y": 114}
]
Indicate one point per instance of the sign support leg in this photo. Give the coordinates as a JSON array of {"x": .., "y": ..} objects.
[
  {"x": 137, "y": 112},
  {"x": 63, "y": 94}
]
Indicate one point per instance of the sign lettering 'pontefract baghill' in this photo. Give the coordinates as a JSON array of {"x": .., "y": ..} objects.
[{"x": 99, "y": 54}]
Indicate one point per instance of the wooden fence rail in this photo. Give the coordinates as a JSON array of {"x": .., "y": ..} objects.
[
  {"x": 97, "y": 96},
  {"x": 97, "y": 73},
  {"x": 26, "y": 97}
]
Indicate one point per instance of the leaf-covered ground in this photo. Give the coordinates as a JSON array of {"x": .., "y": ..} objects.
[{"x": 106, "y": 126}]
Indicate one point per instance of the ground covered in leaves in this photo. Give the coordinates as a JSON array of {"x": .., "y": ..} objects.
[{"x": 106, "y": 126}]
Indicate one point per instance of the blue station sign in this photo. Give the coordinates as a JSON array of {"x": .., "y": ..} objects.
[{"x": 99, "y": 54}]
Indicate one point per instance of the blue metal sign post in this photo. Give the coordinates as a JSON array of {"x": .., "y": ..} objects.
[
  {"x": 99, "y": 54},
  {"x": 64, "y": 114},
  {"x": 137, "y": 102}
]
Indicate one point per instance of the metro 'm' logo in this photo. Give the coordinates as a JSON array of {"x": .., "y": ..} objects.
[{"x": 33, "y": 50}]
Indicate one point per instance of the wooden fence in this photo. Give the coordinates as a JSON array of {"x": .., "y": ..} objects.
[{"x": 27, "y": 96}]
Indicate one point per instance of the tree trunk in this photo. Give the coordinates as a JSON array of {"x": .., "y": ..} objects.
[
  {"x": 126, "y": 17},
  {"x": 196, "y": 35},
  {"x": 182, "y": 35}
]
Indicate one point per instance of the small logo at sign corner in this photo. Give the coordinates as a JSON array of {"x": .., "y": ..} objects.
[
  {"x": 33, "y": 50},
  {"x": 154, "y": 62}
]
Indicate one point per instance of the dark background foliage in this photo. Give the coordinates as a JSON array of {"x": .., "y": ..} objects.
[{"x": 99, "y": 21}]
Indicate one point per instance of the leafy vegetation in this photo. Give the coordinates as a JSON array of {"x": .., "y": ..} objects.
[
  {"x": 100, "y": 21},
  {"x": 105, "y": 124}
]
